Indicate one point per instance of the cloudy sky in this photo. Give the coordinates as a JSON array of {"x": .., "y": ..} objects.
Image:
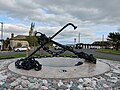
[{"x": 94, "y": 18}]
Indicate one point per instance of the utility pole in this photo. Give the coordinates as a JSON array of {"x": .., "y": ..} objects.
[
  {"x": 102, "y": 37},
  {"x": 102, "y": 41},
  {"x": 79, "y": 37},
  {"x": 74, "y": 42},
  {"x": 1, "y": 35}
]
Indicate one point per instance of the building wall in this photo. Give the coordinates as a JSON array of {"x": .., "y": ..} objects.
[
  {"x": 0, "y": 45},
  {"x": 14, "y": 43}
]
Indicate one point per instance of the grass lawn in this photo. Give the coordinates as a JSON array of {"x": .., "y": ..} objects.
[
  {"x": 24, "y": 55},
  {"x": 12, "y": 56},
  {"x": 20, "y": 55},
  {"x": 109, "y": 51}
]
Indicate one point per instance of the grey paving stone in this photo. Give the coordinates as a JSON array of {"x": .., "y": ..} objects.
[{"x": 109, "y": 80}]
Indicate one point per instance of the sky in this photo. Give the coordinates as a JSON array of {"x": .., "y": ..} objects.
[{"x": 93, "y": 18}]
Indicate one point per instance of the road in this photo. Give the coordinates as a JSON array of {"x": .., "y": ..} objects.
[
  {"x": 88, "y": 51},
  {"x": 101, "y": 55}
]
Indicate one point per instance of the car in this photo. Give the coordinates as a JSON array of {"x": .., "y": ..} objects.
[
  {"x": 23, "y": 48},
  {"x": 111, "y": 47},
  {"x": 57, "y": 48}
]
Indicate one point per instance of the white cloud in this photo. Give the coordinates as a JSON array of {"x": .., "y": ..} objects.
[
  {"x": 63, "y": 11},
  {"x": 51, "y": 15},
  {"x": 16, "y": 29}
]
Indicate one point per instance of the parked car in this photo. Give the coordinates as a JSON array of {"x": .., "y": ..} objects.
[
  {"x": 23, "y": 48},
  {"x": 57, "y": 48},
  {"x": 111, "y": 47}
]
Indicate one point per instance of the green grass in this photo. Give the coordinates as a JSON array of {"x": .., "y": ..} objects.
[
  {"x": 21, "y": 55},
  {"x": 12, "y": 56},
  {"x": 109, "y": 51},
  {"x": 24, "y": 55}
]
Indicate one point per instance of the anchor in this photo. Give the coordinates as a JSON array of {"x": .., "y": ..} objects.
[{"x": 30, "y": 62}]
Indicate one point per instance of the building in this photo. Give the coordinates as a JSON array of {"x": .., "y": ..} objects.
[
  {"x": 101, "y": 44},
  {"x": 0, "y": 44},
  {"x": 18, "y": 41},
  {"x": 94, "y": 45}
]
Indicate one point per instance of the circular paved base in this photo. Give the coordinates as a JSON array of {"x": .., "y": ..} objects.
[{"x": 84, "y": 70}]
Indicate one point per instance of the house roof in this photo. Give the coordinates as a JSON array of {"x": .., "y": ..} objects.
[
  {"x": 100, "y": 43},
  {"x": 19, "y": 37}
]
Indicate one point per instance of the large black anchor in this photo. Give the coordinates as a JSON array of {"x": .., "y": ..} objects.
[{"x": 30, "y": 62}]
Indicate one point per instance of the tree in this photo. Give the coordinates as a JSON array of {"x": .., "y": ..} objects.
[
  {"x": 32, "y": 40},
  {"x": 6, "y": 44},
  {"x": 114, "y": 38}
]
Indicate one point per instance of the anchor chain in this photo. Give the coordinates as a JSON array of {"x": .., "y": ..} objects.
[
  {"x": 28, "y": 63},
  {"x": 55, "y": 54}
]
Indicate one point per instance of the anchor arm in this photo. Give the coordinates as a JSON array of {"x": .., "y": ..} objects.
[{"x": 63, "y": 28}]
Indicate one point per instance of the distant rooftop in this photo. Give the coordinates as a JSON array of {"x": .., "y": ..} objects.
[{"x": 19, "y": 37}]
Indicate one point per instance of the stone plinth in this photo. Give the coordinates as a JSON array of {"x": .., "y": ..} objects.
[{"x": 63, "y": 72}]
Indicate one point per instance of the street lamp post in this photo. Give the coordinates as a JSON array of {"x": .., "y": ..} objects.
[
  {"x": 74, "y": 42},
  {"x": 79, "y": 38},
  {"x": 1, "y": 35}
]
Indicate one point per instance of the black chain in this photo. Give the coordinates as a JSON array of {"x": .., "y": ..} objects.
[
  {"x": 28, "y": 63},
  {"x": 52, "y": 52}
]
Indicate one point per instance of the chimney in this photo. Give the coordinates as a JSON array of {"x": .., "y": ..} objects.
[{"x": 12, "y": 35}]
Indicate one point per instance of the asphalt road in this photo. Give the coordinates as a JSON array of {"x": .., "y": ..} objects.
[
  {"x": 101, "y": 55},
  {"x": 88, "y": 51}
]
